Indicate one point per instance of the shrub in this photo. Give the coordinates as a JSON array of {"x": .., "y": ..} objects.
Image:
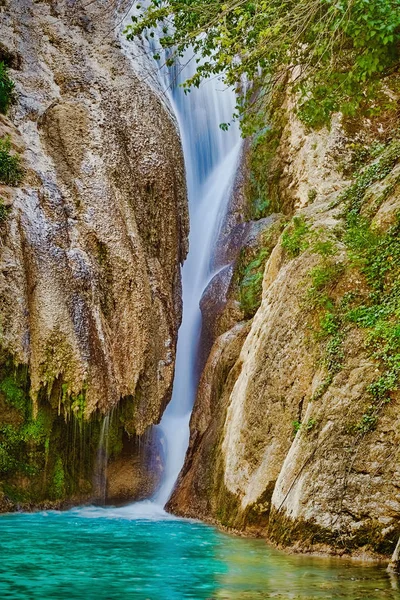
[
  {"x": 251, "y": 283},
  {"x": 11, "y": 171},
  {"x": 295, "y": 237},
  {"x": 4, "y": 211},
  {"x": 6, "y": 89}
]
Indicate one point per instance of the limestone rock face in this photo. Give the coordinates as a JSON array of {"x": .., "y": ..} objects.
[
  {"x": 90, "y": 255},
  {"x": 91, "y": 249},
  {"x": 196, "y": 492},
  {"x": 286, "y": 441},
  {"x": 136, "y": 472}
]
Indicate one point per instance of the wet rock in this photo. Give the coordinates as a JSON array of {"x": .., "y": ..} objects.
[
  {"x": 136, "y": 472},
  {"x": 220, "y": 306},
  {"x": 194, "y": 494},
  {"x": 90, "y": 253},
  {"x": 99, "y": 225},
  {"x": 277, "y": 447}
]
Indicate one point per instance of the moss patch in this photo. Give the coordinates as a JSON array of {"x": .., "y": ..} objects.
[
  {"x": 373, "y": 258},
  {"x": 249, "y": 271},
  {"x": 44, "y": 455},
  {"x": 263, "y": 191},
  {"x": 287, "y": 532},
  {"x": 250, "y": 286}
]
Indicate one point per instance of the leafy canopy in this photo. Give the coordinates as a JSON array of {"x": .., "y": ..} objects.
[{"x": 335, "y": 53}]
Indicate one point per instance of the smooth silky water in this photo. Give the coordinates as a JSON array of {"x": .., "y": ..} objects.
[
  {"x": 116, "y": 553},
  {"x": 139, "y": 551}
]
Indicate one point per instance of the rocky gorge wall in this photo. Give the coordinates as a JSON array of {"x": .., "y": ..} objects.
[
  {"x": 295, "y": 430},
  {"x": 90, "y": 253}
]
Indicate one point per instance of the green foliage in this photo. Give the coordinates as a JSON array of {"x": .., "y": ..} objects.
[
  {"x": 321, "y": 389},
  {"x": 74, "y": 402},
  {"x": 310, "y": 424},
  {"x": 307, "y": 426},
  {"x": 295, "y": 238},
  {"x": 48, "y": 451},
  {"x": 78, "y": 405},
  {"x": 353, "y": 196},
  {"x": 340, "y": 52},
  {"x": 9, "y": 441},
  {"x": 57, "y": 489},
  {"x": 368, "y": 421},
  {"x": 11, "y": 171},
  {"x": 4, "y": 211},
  {"x": 312, "y": 194},
  {"x": 334, "y": 355},
  {"x": 264, "y": 173},
  {"x": 361, "y": 154},
  {"x": 377, "y": 255},
  {"x": 115, "y": 435},
  {"x": 18, "y": 441},
  {"x": 323, "y": 278},
  {"x": 329, "y": 324},
  {"x": 6, "y": 89},
  {"x": 260, "y": 208},
  {"x": 296, "y": 426},
  {"x": 324, "y": 247},
  {"x": 375, "y": 307},
  {"x": 14, "y": 392},
  {"x": 250, "y": 290},
  {"x": 37, "y": 430}
]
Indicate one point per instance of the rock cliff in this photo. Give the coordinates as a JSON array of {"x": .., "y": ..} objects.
[
  {"x": 295, "y": 431},
  {"x": 90, "y": 249}
]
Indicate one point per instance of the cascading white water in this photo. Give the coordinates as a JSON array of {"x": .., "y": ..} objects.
[
  {"x": 102, "y": 459},
  {"x": 211, "y": 157}
]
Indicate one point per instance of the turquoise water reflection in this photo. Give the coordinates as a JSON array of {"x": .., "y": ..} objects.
[{"x": 101, "y": 554}]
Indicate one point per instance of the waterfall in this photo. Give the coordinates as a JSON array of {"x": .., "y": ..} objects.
[
  {"x": 102, "y": 460},
  {"x": 211, "y": 157}
]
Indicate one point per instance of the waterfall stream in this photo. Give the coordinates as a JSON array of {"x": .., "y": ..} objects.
[
  {"x": 102, "y": 460},
  {"x": 211, "y": 157}
]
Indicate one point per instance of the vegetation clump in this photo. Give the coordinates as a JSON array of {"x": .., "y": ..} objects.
[
  {"x": 373, "y": 255},
  {"x": 57, "y": 489},
  {"x": 250, "y": 290},
  {"x": 11, "y": 171},
  {"x": 295, "y": 238},
  {"x": 264, "y": 168},
  {"x": 335, "y": 55},
  {"x": 6, "y": 89},
  {"x": 306, "y": 426},
  {"x": 4, "y": 211},
  {"x": 249, "y": 270}
]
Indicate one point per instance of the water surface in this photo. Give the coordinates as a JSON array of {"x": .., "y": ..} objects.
[{"x": 122, "y": 553}]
